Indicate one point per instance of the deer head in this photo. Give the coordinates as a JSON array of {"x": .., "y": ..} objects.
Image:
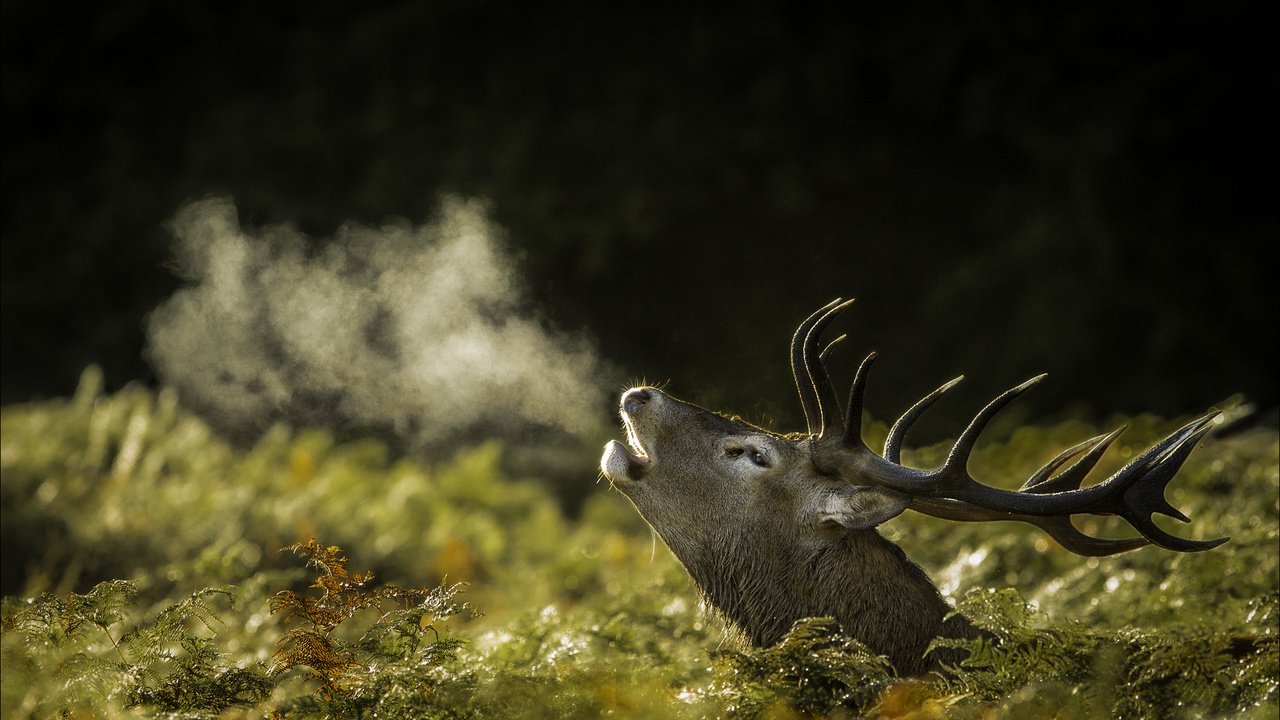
[{"x": 774, "y": 528}]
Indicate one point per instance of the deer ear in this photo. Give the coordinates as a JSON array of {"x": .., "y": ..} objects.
[{"x": 858, "y": 507}]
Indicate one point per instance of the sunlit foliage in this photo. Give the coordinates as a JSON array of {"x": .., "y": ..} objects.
[
  {"x": 145, "y": 577},
  {"x": 88, "y": 652}
]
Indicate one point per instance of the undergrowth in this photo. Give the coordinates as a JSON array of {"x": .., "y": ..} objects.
[{"x": 144, "y": 577}]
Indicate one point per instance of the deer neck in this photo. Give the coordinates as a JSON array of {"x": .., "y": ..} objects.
[{"x": 762, "y": 582}]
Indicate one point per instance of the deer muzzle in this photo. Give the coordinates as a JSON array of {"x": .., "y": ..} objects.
[{"x": 621, "y": 463}]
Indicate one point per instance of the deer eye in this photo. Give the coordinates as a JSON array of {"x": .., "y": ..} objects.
[{"x": 733, "y": 450}]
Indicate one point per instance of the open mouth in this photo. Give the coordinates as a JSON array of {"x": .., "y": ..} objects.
[{"x": 621, "y": 462}]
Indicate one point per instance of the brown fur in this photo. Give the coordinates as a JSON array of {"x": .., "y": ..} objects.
[{"x": 753, "y": 536}]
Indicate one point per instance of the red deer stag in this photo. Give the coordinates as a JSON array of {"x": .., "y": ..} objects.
[{"x": 776, "y": 528}]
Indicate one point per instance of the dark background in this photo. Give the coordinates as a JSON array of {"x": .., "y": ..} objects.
[{"x": 1008, "y": 188}]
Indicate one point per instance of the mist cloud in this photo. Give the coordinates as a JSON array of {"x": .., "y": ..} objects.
[{"x": 420, "y": 330}]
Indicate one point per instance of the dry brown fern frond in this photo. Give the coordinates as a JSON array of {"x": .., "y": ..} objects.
[{"x": 342, "y": 595}]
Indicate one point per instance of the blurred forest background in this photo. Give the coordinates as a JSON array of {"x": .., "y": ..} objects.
[
  {"x": 1087, "y": 190},
  {"x": 463, "y": 226}
]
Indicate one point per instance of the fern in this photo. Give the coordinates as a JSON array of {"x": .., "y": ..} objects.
[
  {"x": 200, "y": 683},
  {"x": 75, "y": 654},
  {"x": 814, "y": 670},
  {"x": 181, "y": 670},
  {"x": 51, "y": 620},
  {"x": 397, "y": 665},
  {"x": 1130, "y": 673},
  {"x": 586, "y": 617},
  {"x": 71, "y": 641}
]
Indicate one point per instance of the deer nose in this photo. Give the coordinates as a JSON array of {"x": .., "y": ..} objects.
[{"x": 633, "y": 400}]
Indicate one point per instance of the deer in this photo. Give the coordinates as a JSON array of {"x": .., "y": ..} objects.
[{"x": 774, "y": 528}]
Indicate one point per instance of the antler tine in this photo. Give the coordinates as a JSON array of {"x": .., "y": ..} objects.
[
  {"x": 1040, "y": 481},
  {"x": 1044, "y": 481},
  {"x": 959, "y": 456},
  {"x": 822, "y": 356},
  {"x": 801, "y": 372},
  {"x": 853, "y": 410},
  {"x": 897, "y": 433},
  {"x": 1068, "y": 536},
  {"x": 1140, "y": 485},
  {"x": 825, "y": 392},
  {"x": 1145, "y": 473}
]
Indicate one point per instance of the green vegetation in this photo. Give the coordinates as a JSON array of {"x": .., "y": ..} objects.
[{"x": 154, "y": 571}]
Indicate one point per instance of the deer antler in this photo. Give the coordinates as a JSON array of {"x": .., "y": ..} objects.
[{"x": 1047, "y": 500}]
